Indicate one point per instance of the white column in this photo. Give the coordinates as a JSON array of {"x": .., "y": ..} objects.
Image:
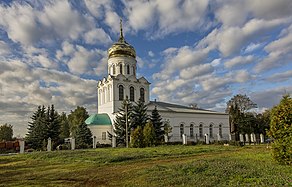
[
  {"x": 165, "y": 138},
  {"x": 218, "y": 137},
  {"x": 21, "y": 144},
  {"x": 241, "y": 139},
  {"x": 93, "y": 142},
  {"x": 114, "y": 141},
  {"x": 230, "y": 137},
  {"x": 252, "y": 138},
  {"x": 207, "y": 139},
  {"x": 185, "y": 139},
  {"x": 262, "y": 138},
  {"x": 72, "y": 143},
  {"x": 247, "y": 138},
  {"x": 49, "y": 145}
]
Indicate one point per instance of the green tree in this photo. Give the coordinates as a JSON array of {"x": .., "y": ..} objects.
[
  {"x": 140, "y": 116},
  {"x": 37, "y": 129},
  {"x": 263, "y": 122},
  {"x": 241, "y": 121},
  {"x": 125, "y": 111},
  {"x": 83, "y": 136},
  {"x": 65, "y": 128},
  {"x": 137, "y": 137},
  {"x": 6, "y": 132},
  {"x": 149, "y": 135},
  {"x": 53, "y": 126},
  {"x": 158, "y": 125},
  {"x": 281, "y": 130},
  {"x": 76, "y": 118}
]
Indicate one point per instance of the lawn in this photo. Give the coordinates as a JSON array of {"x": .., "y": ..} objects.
[{"x": 200, "y": 165}]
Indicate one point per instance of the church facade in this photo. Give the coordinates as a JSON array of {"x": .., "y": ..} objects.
[{"x": 122, "y": 82}]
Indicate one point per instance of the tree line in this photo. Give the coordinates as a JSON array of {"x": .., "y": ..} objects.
[
  {"x": 46, "y": 123},
  {"x": 143, "y": 130}
]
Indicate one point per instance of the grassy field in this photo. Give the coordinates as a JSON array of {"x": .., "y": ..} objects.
[{"x": 200, "y": 165}]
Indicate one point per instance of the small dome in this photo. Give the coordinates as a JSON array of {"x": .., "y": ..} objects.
[
  {"x": 121, "y": 48},
  {"x": 98, "y": 119}
]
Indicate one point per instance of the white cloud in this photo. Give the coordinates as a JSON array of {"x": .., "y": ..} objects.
[
  {"x": 57, "y": 20},
  {"x": 251, "y": 47},
  {"x": 151, "y": 54},
  {"x": 97, "y": 36},
  {"x": 184, "y": 16},
  {"x": 4, "y": 48},
  {"x": 239, "y": 60},
  {"x": 279, "y": 52},
  {"x": 195, "y": 71},
  {"x": 280, "y": 77}
]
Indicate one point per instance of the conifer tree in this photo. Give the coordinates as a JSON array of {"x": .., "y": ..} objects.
[
  {"x": 140, "y": 116},
  {"x": 83, "y": 136},
  {"x": 65, "y": 128},
  {"x": 53, "y": 126},
  {"x": 120, "y": 123},
  {"x": 137, "y": 137},
  {"x": 157, "y": 125},
  {"x": 149, "y": 135},
  {"x": 37, "y": 129}
]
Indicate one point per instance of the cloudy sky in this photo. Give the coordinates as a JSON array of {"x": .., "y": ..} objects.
[{"x": 204, "y": 52}]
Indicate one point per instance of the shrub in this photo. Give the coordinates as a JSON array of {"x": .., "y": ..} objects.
[{"x": 281, "y": 131}]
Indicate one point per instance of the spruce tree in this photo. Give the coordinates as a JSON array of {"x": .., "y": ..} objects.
[
  {"x": 64, "y": 126},
  {"x": 83, "y": 136},
  {"x": 53, "y": 126},
  {"x": 149, "y": 135},
  {"x": 137, "y": 137},
  {"x": 140, "y": 116},
  {"x": 158, "y": 125},
  {"x": 37, "y": 129},
  {"x": 120, "y": 123},
  {"x": 77, "y": 117}
]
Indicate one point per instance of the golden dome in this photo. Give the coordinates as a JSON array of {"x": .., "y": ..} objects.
[{"x": 121, "y": 48}]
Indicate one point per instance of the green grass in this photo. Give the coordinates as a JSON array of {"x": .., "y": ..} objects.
[{"x": 200, "y": 165}]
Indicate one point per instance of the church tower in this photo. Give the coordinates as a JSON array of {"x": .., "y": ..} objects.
[{"x": 121, "y": 81}]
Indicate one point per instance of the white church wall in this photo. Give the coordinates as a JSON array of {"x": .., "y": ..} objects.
[
  {"x": 100, "y": 132},
  {"x": 176, "y": 119}
]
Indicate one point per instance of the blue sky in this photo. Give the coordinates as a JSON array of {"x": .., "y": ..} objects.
[{"x": 204, "y": 52}]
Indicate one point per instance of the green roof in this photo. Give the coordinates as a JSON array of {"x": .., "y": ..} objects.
[{"x": 98, "y": 119}]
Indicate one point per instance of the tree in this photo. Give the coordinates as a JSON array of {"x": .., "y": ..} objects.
[
  {"x": 64, "y": 126},
  {"x": 149, "y": 135},
  {"x": 120, "y": 123},
  {"x": 263, "y": 122},
  {"x": 157, "y": 124},
  {"x": 281, "y": 130},
  {"x": 137, "y": 137},
  {"x": 240, "y": 119},
  {"x": 242, "y": 102},
  {"x": 6, "y": 132},
  {"x": 140, "y": 116},
  {"x": 37, "y": 129},
  {"x": 53, "y": 126},
  {"x": 83, "y": 136},
  {"x": 76, "y": 118},
  {"x": 45, "y": 124}
]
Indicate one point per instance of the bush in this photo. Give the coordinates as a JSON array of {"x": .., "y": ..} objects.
[{"x": 281, "y": 131}]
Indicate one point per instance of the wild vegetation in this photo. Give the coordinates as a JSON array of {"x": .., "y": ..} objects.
[{"x": 199, "y": 165}]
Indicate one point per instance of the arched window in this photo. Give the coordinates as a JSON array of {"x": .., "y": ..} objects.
[
  {"x": 114, "y": 69},
  {"x": 201, "y": 130},
  {"x": 192, "y": 130},
  {"x": 132, "y": 94},
  {"x": 121, "y": 68},
  {"x": 142, "y": 94},
  {"x": 121, "y": 92},
  {"x": 220, "y": 130},
  {"x": 134, "y": 72},
  {"x": 181, "y": 129},
  {"x": 211, "y": 130},
  {"x": 128, "y": 69}
]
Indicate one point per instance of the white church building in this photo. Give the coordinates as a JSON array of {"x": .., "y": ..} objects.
[{"x": 122, "y": 82}]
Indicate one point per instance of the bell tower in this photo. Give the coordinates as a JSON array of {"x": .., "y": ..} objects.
[{"x": 121, "y": 80}]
